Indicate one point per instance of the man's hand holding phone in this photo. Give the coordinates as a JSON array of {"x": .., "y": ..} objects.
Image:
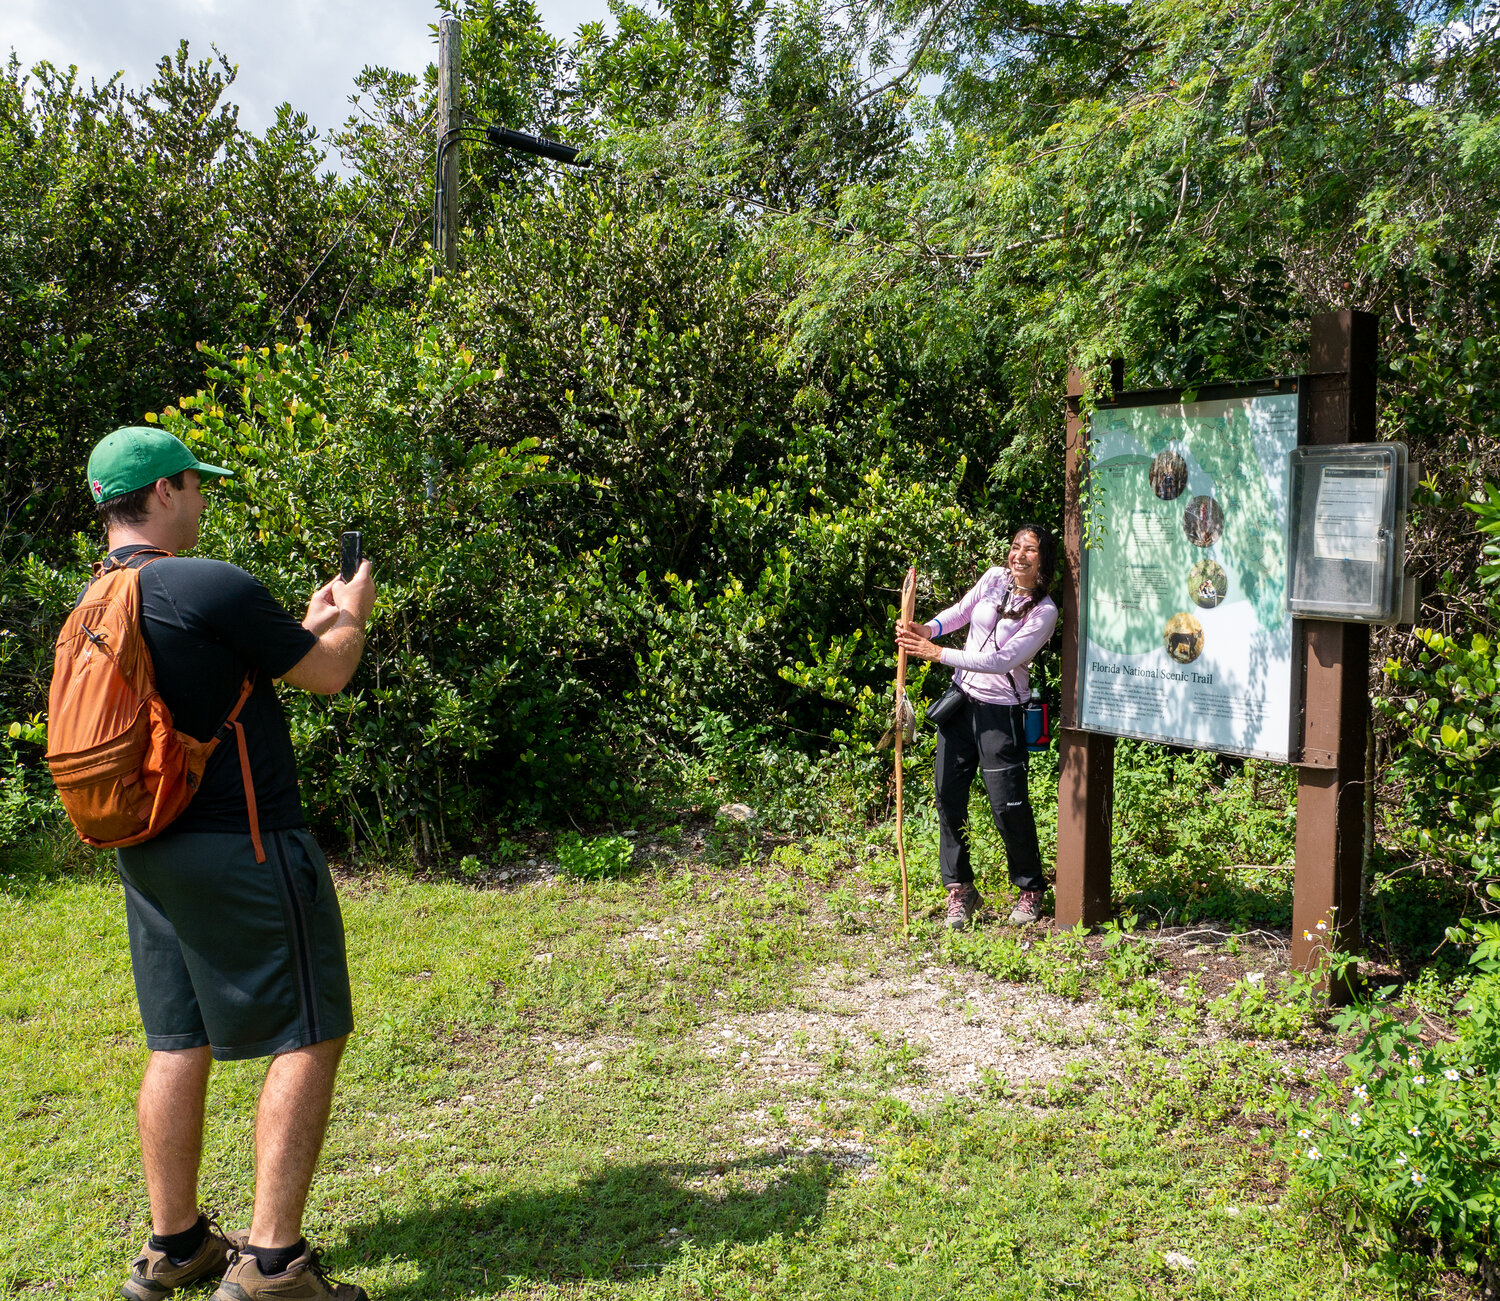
[
  {"x": 336, "y": 615},
  {"x": 351, "y": 595},
  {"x": 356, "y": 597}
]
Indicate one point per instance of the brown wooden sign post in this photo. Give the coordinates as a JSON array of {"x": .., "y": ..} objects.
[
  {"x": 1086, "y": 760},
  {"x": 1338, "y": 407}
]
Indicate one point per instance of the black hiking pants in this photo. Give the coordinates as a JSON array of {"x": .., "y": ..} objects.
[{"x": 991, "y": 740}]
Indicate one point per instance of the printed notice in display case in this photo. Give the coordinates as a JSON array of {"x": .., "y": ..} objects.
[
  {"x": 1350, "y": 502},
  {"x": 1186, "y": 636}
]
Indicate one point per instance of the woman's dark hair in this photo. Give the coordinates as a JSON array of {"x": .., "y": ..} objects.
[
  {"x": 1046, "y": 554},
  {"x": 130, "y": 507}
]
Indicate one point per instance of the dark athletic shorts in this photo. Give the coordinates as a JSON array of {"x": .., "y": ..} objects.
[{"x": 245, "y": 957}]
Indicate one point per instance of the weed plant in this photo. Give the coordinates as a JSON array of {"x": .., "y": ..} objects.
[
  {"x": 28, "y": 800},
  {"x": 1263, "y": 1009},
  {"x": 598, "y": 858},
  {"x": 1403, "y": 1151}
]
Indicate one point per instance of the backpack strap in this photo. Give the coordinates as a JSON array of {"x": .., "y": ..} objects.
[
  {"x": 1030, "y": 695},
  {"x": 135, "y": 560},
  {"x": 232, "y": 724}
]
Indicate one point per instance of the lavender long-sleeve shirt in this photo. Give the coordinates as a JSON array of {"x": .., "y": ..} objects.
[{"x": 985, "y": 661}]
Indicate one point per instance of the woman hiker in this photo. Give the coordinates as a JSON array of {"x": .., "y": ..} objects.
[{"x": 1010, "y": 618}]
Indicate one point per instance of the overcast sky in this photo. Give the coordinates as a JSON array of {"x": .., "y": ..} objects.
[{"x": 307, "y": 52}]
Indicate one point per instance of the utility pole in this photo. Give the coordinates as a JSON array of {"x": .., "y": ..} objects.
[{"x": 449, "y": 120}]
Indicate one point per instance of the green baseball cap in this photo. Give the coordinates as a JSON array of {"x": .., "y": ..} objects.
[{"x": 138, "y": 455}]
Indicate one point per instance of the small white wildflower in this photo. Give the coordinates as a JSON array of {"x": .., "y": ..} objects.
[
  {"x": 1355, "y": 1120},
  {"x": 1401, "y": 1160},
  {"x": 1418, "y": 1178},
  {"x": 1419, "y": 1080},
  {"x": 1450, "y": 1074},
  {"x": 1362, "y": 1093},
  {"x": 1313, "y": 1154},
  {"x": 1322, "y": 926},
  {"x": 1415, "y": 1132},
  {"x": 1304, "y": 1133},
  {"x": 1307, "y": 935}
]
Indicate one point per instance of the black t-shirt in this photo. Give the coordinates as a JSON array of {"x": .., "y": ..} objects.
[{"x": 206, "y": 624}]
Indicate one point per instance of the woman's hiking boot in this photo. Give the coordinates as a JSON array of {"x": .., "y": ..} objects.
[
  {"x": 154, "y": 1274},
  {"x": 963, "y": 903},
  {"x": 1028, "y": 908},
  {"x": 305, "y": 1279}
]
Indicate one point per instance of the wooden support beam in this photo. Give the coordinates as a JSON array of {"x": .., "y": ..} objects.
[
  {"x": 1338, "y": 407},
  {"x": 1086, "y": 778}
]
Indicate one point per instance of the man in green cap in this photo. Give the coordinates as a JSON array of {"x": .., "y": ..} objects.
[{"x": 236, "y": 940}]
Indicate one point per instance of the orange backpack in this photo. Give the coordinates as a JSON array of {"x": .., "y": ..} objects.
[{"x": 122, "y": 770}]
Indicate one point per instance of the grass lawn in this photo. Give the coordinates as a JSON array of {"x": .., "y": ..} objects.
[{"x": 722, "y": 1076}]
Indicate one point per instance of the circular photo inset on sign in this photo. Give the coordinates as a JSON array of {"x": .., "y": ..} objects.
[
  {"x": 1168, "y": 475},
  {"x": 1203, "y": 521},
  {"x": 1183, "y": 636},
  {"x": 1208, "y": 584}
]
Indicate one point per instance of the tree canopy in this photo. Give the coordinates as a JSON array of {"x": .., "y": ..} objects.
[{"x": 643, "y": 474}]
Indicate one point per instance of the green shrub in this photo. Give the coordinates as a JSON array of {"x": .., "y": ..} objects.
[
  {"x": 621, "y": 551},
  {"x": 1445, "y": 712},
  {"x": 1406, "y": 1149},
  {"x": 1447, "y": 717},
  {"x": 1195, "y": 835},
  {"x": 1130, "y": 964},
  {"x": 598, "y": 858},
  {"x": 28, "y": 800}
]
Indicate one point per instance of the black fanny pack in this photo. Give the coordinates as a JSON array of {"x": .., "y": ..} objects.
[{"x": 947, "y": 706}]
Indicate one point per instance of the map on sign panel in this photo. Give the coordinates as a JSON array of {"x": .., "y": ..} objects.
[{"x": 1186, "y": 635}]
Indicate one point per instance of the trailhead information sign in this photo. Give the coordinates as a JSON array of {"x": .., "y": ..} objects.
[{"x": 1186, "y": 636}]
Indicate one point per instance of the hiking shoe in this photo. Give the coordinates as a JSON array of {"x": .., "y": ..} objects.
[
  {"x": 304, "y": 1279},
  {"x": 153, "y": 1274},
  {"x": 963, "y": 903},
  {"x": 1028, "y": 908}
]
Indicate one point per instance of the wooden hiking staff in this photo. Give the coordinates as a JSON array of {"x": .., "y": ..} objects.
[{"x": 903, "y": 719}]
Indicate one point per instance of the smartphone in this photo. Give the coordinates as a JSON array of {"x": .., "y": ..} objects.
[{"x": 349, "y": 555}]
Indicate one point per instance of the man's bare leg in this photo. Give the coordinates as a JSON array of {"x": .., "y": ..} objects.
[
  {"x": 169, "y": 1113},
  {"x": 295, "y": 1103}
]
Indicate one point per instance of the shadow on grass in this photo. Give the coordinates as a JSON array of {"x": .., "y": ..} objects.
[{"x": 617, "y": 1224}]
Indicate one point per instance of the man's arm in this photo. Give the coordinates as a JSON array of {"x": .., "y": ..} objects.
[{"x": 326, "y": 669}]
